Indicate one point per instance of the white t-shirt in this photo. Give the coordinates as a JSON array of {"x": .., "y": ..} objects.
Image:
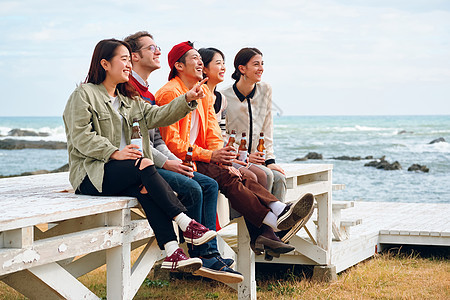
[{"x": 194, "y": 127}]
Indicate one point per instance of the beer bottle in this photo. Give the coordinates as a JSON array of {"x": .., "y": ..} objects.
[
  {"x": 260, "y": 146},
  {"x": 242, "y": 150},
  {"x": 188, "y": 159},
  {"x": 232, "y": 138},
  {"x": 136, "y": 137}
]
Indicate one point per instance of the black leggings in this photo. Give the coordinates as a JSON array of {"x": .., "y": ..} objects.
[{"x": 123, "y": 178}]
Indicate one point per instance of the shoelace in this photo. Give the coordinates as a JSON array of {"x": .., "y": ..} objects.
[
  {"x": 175, "y": 263},
  {"x": 194, "y": 228}
]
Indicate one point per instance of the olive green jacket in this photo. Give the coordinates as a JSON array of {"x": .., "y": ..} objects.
[{"x": 93, "y": 128}]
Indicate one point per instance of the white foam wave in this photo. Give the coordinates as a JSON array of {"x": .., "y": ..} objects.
[
  {"x": 442, "y": 147},
  {"x": 362, "y": 128},
  {"x": 54, "y": 134}
]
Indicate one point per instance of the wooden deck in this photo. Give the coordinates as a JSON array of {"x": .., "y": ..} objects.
[
  {"x": 381, "y": 223},
  {"x": 106, "y": 229}
]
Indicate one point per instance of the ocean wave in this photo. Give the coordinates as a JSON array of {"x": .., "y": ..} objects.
[
  {"x": 362, "y": 128},
  {"x": 442, "y": 147},
  {"x": 54, "y": 134}
]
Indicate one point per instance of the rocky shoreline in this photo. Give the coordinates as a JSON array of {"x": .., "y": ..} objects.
[
  {"x": 380, "y": 163},
  {"x": 13, "y": 144},
  {"x": 16, "y": 144}
]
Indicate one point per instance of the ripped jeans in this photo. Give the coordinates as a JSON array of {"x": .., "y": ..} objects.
[{"x": 123, "y": 178}]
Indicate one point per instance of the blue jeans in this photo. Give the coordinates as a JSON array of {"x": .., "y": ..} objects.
[{"x": 199, "y": 196}]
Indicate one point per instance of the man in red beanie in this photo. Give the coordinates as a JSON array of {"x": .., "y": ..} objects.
[
  {"x": 201, "y": 130},
  {"x": 197, "y": 192}
]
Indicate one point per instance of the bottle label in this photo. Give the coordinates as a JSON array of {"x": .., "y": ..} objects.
[
  {"x": 137, "y": 142},
  {"x": 264, "y": 155},
  {"x": 189, "y": 153},
  {"x": 242, "y": 155}
]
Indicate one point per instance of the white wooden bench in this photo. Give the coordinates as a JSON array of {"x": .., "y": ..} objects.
[{"x": 50, "y": 236}]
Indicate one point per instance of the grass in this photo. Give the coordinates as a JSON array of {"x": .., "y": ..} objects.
[{"x": 399, "y": 273}]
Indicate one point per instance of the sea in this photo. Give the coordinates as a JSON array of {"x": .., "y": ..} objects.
[{"x": 405, "y": 139}]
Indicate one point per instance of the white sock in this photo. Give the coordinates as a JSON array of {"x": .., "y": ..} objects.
[
  {"x": 183, "y": 221},
  {"x": 277, "y": 207},
  {"x": 170, "y": 247},
  {"x": 271, "y": 220}
]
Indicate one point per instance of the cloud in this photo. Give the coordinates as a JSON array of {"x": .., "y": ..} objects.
[{"x": 320, "y": 49}]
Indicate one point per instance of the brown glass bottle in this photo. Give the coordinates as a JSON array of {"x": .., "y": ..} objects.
[
  {"x": 136, "y": 136},
  {"x": 188, "y": 159},
  {"x": 260, "y": 146},
  {"x": 232, "y": 138},
  {"x": 242, "y": 150}
]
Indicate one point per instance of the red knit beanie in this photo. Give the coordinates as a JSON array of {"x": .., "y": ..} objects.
[{"x": 175, "y": 54}]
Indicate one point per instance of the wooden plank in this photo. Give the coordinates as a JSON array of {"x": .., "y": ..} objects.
[
  {"x": 57, "y": 208},
  {"x": 315, "y": 188},
  {"x": 59, "y": 248},
  {"x": 17, "y": 238},
  {"x": 34, "y": 287},
  {"x": 311, "y": 251},
  {"x": 293, "y": 170},
  {"x": 54, "y": 276},
  {"x": 338, "y": 187}
]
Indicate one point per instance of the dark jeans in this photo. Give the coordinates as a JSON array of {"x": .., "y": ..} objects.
[
  {"x": 245, "y": 195},
  {"x": 199, "y": 196},
  {"x": 123, "y": 178}
]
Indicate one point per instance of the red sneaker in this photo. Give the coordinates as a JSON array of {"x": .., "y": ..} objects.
[
  {"x": 198, "y": 234},
  {"x": 178, "y": 261}
]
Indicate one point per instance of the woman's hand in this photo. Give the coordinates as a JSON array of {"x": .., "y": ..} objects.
[
  {"x": 129, "y": 152},
  {"x": 256, "y": 158},
  {"x": 196, "y": 92},
  {"x": 276, "y": 167}
]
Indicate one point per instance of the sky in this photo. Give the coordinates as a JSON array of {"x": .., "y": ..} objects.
[{"x": 323, "y": 57}]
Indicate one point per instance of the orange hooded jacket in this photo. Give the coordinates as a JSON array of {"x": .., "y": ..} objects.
[{"x": 176, "y": 136}]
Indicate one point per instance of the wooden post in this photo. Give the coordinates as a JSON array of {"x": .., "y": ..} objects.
[
  {"x": 245, "y": 263},
  {"x": 118, "y": 264},
  {"x": 324, "y": 219}
]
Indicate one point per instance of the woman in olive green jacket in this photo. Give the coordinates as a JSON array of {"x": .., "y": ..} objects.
[{"x": 98, "y": 120}]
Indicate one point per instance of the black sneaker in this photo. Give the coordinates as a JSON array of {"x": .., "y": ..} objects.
[
  {"x": 217, "y": 270},
  {"x": 296, "y": 212}
]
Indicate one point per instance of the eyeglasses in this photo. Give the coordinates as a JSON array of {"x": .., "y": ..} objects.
[{"x": 152, "y": 48}]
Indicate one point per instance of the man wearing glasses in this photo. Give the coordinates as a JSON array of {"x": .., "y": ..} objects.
[{"x": 196, "y": 191}]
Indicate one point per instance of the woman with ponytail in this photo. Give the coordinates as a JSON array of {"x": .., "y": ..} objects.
[{"x": 250, "y": 110}]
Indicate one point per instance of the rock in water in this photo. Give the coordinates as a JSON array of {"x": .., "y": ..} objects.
[
  {"x": 300, "y": 159},
  {"x": 439, "y": 140},
  {"x": 345, "y": 157},
  {"x": 418, "y": 168},
  {"x": 64, "y": 168},
  {"x": 314, "y": 155},
  {"x": 21, "y": 132},
  {"x": 310, "y": 155},
  {"x": 384, "y": 164}
]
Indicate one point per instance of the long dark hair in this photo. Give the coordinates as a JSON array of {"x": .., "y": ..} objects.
[
  {"x": 207, "y": 55},
  {"x": 242, "y": 58},
  {"x": 106, "y": 49}
]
